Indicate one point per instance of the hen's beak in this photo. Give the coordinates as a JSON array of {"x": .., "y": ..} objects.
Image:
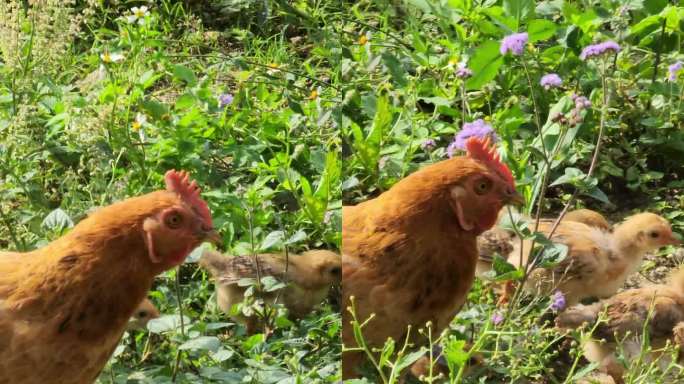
[
  {"x": 213, "y": 237},
  {"x": 515, "y": 199}
]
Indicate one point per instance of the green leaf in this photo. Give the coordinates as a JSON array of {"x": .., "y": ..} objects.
[
  {"x": 395, "y": 69},
  {"x": 520, "y": 10},
  {"x": 185, "y": 101},
  {"x": 155, "y": 109},
  {"x": 202, "y": 343},
  {"x": 485, "y": 64},
  {"x": 654, "y": 6},
  {"x": 57, "y": 220},
  {"x": 271, "y": 240},
  {"x": 166, "y": 323},
  {"x": 185, "y": 74},
  {"x": 540, "y": 29}
]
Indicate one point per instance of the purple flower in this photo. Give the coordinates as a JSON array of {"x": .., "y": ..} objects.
[
  {"x": 557, "y": 301},
  {"x": 225, "y": 100},
  {"x": 497, "y": 318},
  {"x": 599, "y": 49},
  {"x": 581, "y": 102},
  {"x": 551, "y": 80},
  {"x": 428, "y": 144},
  {"x": 674, "y": 70},
  {"x": 514, "y": 43},
  {"x": 463, "y": 72},
  {"x": 478, "y": 128}
]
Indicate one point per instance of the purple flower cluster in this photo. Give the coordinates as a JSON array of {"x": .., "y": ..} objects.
[
  {"x": 497, "y": 318},
  {"x": 463, "y": 72},
  {"x": 225, "y": 100},
  {"x": 599, "y": 49},
  {"x": 673, "y": 70},
  {"x": 551, "y": 80},
  {"x": 478, "y": 128},
  {"x": 428, "y": 144},
  {"x": 515, "y": 44},
  {"x": 581, "y": 103},
  {"x": 557, "y": 301}
]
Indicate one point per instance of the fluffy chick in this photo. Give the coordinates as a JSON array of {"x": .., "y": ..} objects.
[
  {"x": 501, "y": 241},
  {"x": 626, "y": 314},
  {"x": 598, "y": 262},
  {"x": 145, "y": 312},
  {"x": 310, "y": 276},
  {"x": 588, "y": 217}
]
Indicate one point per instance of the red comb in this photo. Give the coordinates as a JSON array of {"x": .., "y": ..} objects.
[
  {"x": 179, "y": 182},
  {"x": 484, "y": 151}
]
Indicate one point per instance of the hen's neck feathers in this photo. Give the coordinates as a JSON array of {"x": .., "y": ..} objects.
[{"x": 89, "y": 280}]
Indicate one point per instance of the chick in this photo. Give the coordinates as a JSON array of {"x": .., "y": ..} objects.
[
  {"x": 501, "y": 241},
  {"x": 145, "y": 312},
  {"x": 309, "y": 275},
  {"x": 598, "y": 262},
  {"x": 626, "y": 314},
  {"x": 588, "y": 217}
]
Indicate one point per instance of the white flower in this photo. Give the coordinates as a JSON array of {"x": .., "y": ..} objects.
[
  {"x": 111, "y": 57},
  {"x": 138, "y": 14},
  {"x": 139, "y": 122}
]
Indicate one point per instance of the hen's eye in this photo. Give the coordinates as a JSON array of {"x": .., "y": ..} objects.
[
  {"x": 142, "y": 314},
  {"x": 482, "y": 186},
  {"x": 654, "y": 235},
  {"x": 174, "y": 220}
]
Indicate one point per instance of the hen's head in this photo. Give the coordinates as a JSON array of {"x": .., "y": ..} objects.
[
  {"x": 180, "y": 223},
  {"x": 647, "y": 230},
  {"x": 473, "y": 188}
]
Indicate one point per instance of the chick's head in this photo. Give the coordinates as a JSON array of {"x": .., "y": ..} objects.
[{"x": 648, "y": 230}]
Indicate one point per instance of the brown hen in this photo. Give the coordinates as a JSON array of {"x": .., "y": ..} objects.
[
  {"x": 409, "y": 255},
  {"x": 64, "y": 307}
]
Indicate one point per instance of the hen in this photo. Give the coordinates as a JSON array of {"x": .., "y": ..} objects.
[
  {"x": 409, "y": 255},
  {"x": 309, "y": 275},
  {"x": 626, "y": 313},
  {"x": 598, "y": 262},
  {"x": 64, "y": 307}
]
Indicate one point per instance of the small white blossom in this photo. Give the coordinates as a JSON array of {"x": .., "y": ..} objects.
[
  {"x": 139, "y": 122},
  {"x": 138, "y": 15},
  {"x": 111, "y": 57}
]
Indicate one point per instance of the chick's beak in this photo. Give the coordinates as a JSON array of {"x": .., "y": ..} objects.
[{"x": 674, "y": 240}]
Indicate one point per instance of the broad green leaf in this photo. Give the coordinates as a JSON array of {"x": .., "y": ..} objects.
[
  {"x": 202, "y": 343},
  {"x": 520, "y": 10},
  {"x": 485, "y": 64},
  {"x": 540, "y": 29},
  {"x": 185, "y": 74},
  {"x": 271, "y": 240},
  {"x": 57, "y": 220}
]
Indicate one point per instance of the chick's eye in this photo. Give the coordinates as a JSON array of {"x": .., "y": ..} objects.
[
  {"x": 142, "y": 314},
  {"x": 654, "y": 235},
  {"x": 336, "y": 271},
  {"x": 482, "y": 186},
  {"x": 174, "y": 220}
]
